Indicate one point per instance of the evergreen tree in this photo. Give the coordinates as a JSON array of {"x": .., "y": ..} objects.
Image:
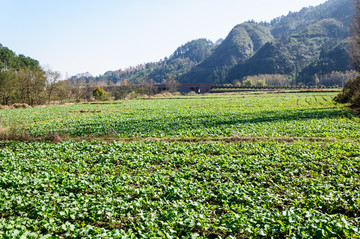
[{"x": 100, "y": 94}]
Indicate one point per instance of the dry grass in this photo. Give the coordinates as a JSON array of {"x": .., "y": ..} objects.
[{"x": 22, "y": 135}]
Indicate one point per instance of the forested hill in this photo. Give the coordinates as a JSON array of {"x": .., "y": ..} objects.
[
  {"x": 301, "y": 37},
  {"x": 10, "y": 60},
  {"x": 297, "y": 45},
  {"x": 341, "y": 10},
  {"x": 241, "y": 43},
  {"x": 181, "y": 61}
]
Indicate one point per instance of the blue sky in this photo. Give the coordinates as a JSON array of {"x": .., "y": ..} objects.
[{"x": 77, "y": 36}]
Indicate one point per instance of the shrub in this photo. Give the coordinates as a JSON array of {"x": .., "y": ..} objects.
[
  {"x": 350, "y": 93},
  {"x": 100, "y": 94}
]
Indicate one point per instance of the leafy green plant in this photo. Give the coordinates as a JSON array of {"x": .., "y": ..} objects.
[
  {"x": 100, "y": 94},
  {"x": 162, "y": 189}
]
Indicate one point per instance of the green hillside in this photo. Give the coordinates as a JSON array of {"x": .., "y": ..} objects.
[
  {"x": 334, "y": 59},
  {"x": 180, "y": 62},
  {"x": 241, "y": 43},
  {"x": 294, "y": 22},
  {"x": 290, "y": 54}
]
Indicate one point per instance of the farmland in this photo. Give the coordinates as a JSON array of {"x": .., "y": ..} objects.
[
  {"x": 229, "y": 165},
  {"x": 267, "y": 115}
]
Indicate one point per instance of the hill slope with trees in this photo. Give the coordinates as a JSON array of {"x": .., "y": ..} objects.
[
  {"x": 241, "y": 43},
  {"x": 180, "y": 62}
]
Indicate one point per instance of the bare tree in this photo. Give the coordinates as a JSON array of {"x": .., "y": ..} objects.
[
  {"x": 171, "y": 84},
  {"x": 81, "y": 89},
  {"x": 31, "y": 85},
  {"x": 52, "y": 77}
]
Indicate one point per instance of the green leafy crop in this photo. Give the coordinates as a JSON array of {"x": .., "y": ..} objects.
[{"x": 154, "y": 189}]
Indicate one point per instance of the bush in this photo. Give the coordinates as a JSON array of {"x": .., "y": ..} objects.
[
  {"x": 350, "y": 93},
  {"x": 100, "y": 94}
]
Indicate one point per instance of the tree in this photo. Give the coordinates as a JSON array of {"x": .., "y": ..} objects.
[
  {"x": 7, "y": 88},
  {"x": 81, "y": 89},
  {"x": 52, "y": 77},
  {"x": 124, "y": 82},
  {"x": 30, "y": 86},
  {"x": 100, "y": 94},
  {"x": 351, "y": 92},
  {"x": 171, "y": 84},
  {"x": 316, "y": 80},
  {"x": 355, "y": 40},
  {"x": 62, "y": 90},
  {"x": 247, "y": 83}
]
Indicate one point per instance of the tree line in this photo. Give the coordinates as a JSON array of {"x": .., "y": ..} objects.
[{"x": 23, "y": 80}]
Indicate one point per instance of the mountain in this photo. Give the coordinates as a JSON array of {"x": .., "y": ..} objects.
[
  {"x": 300, "y": 38},
  {"x": 300, "y": 44},
  {"x": 330, "y": 60},
  {"x": 341, "y": 10},
  {"x": 83, "y": 75},
  {"x": 290, "y": 54},
  {"x": 241, "y": 43},
  {"x": 180, "y": 62}
]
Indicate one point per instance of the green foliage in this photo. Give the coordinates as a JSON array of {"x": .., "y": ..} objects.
[
  {"x": 350, "y": 93},
  {"x": 21, "y": 79},
  {"x": 340, "y": 10},
  {"x": 159, "y": 189},
  {"x": 133, "y": 91},
  {"x": 241, "y": 43},
  {"x": 271, "y": 115},
  {"x": 10, "y": 61},
  {"x": 100, "y": 94},
  {"x": 267, "y": 80},
  {"x": 181, "y": 61},
  {"x": 195, "y": 51},
  {"x": 23, "y": 86},
  {"x": 300, "y": 38},
  {"x": 247, "y": 83},
  {"x": 297, "y": 177},
  {"x": 335, "y": 59}
]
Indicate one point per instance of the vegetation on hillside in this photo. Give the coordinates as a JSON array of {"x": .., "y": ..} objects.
[
  {"x": 180, "y": 62},
  {"x": 241, "y": 43},
  {"x": 292, "y": 54}
]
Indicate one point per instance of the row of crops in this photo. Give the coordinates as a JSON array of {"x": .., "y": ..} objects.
[
  {"x": 152, "y": 189},
  {"x": 277, "y": 115},
  {"x": 294, "y": 175}
]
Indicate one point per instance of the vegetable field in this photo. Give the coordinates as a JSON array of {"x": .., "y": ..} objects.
[
  {"x": 212, "y": 166},
  {"x": 267, "y": 115}
]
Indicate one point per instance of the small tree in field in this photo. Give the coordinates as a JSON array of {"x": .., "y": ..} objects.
[{"x": 100, "y": 94}]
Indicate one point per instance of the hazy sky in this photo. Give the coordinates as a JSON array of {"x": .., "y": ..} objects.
[{"x": 77, "y": 36}]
